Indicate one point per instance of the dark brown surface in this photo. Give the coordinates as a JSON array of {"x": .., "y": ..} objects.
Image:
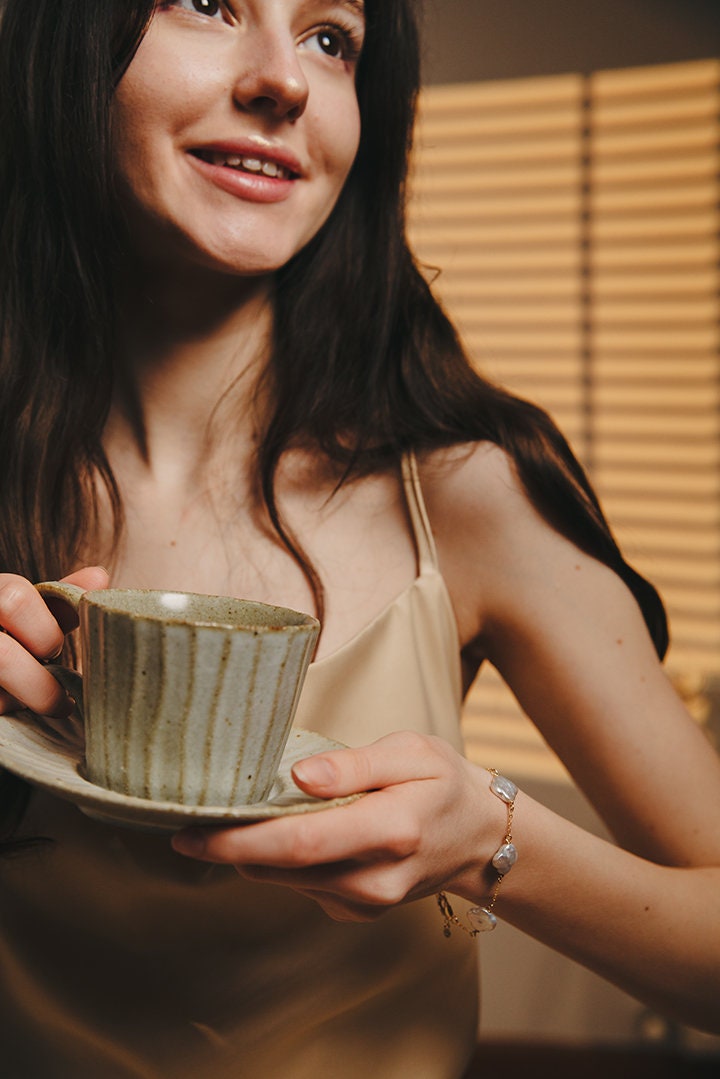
[{"x": 555, "y": 1062}]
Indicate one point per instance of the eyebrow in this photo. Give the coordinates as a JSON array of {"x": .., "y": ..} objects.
[{"x": 357, "y": 6}]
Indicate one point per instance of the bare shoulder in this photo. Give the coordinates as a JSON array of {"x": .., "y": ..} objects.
[
  {"x": 477, "y": 504},
  {"x": 473, "y": 480},
  {"x": 498, "y": 554},
  {"x": 474, "y": 497}
]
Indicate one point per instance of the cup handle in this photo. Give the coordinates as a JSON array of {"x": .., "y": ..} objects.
[
  {"x": 70, "y": 680},
  {"x": 71, "y": 593}
]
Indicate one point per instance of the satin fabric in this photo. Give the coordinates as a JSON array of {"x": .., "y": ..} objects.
[{"x": 122, "y": 960}]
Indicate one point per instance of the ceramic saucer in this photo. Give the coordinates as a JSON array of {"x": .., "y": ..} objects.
[{"x": 51, "y": 755}]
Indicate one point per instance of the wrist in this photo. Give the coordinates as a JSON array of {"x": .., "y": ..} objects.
[{"x": 483, "y": 917}]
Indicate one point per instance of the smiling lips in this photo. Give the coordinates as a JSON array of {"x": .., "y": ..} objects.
[
  {"x": 246, "y": 163},
  {"x": 248, "y": 173}
]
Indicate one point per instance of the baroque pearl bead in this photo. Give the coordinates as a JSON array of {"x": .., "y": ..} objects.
[
  {"x": 504, "y": 788},
  {"x": 482, "y": 919},
  {"x": 505, "y": 858}
]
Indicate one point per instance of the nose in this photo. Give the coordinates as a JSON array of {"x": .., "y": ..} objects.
[{"x": 271, "y": 79}]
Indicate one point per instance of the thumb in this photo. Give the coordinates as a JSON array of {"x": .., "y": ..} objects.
[
  {"x": 89, "y": 578},
  {"x": 396, "y": 758}
]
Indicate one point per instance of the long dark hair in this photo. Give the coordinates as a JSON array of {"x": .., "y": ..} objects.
[{"x": 365, "y": 363}]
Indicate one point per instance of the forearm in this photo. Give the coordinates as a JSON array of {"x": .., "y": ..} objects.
[{"x": 652, "y": 930}]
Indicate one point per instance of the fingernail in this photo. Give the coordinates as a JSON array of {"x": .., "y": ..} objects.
[
  {"x": 315, "y": 772},
  {"x": 190, "y": 842}
]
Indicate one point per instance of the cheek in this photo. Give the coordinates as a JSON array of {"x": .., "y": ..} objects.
[
  {"x": 352, "y": 142},
  {"x": 341, "y": 138}
]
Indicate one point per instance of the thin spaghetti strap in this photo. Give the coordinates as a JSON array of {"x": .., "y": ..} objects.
[{"x": 424, "y": 540}]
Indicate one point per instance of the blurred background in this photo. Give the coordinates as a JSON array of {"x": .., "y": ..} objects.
[
  {"x": 469, "y": 40},
  {"x": 566, "y": 204}
]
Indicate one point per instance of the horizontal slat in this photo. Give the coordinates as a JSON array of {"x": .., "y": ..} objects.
[
  {"x": 700, "y": 195},
  {"x": 427, "y": 183},
  {"x": 648, "y": 506},
  {"x": 505, "y": 289},
  {"x": 528, "y": 151},
  {"x": 653, "y": 226},
  {"x": 553, "y": 312},
  {"x": 500, "y": 93},
  {"x": 687, "y": 482},
  {"x": 655, "y": 367},
  {"x": 703, "y": 164},
  {"x": 700, "y": 251},
  {"x": 657, "y": 78},
  {"x": 659, "y": 452},
  {"x": 692, "y": 311},
  {"x": 488, "y": 124},
  {"x": 551, "y": 366},
  {"x": 457, "y": 263},
  {"x": 671, "y": 141},
  {"x": 683, "y": 399},
  {"x": 702, "y": 572},
  {"x": 495, "y": 340},
  {"x": 436, "y": 212},
  {"x": 700, "y": 339},
  {"x": 656, "y": 111},
  {"x": 641, "y": 542},
  {"x": 693, "y": 424},
  {"x": 523, "y": 233},
  {"x": 691, "y": 282}
]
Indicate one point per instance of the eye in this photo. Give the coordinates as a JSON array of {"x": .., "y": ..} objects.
[
  {"x": 202, "y": 7},
  {"x": 335, "y": 42}
]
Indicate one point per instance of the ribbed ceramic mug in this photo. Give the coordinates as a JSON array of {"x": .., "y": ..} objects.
[{"x": 185, "y": 698}]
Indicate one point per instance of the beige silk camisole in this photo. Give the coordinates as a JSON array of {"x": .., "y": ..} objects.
[{"x": 120, "y": 959}]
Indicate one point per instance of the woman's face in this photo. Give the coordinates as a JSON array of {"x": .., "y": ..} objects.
[{"x": 235, "y": 127}]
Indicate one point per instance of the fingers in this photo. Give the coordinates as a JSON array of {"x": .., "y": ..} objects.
[
  {"x": 28, "y": 682},
  {"x": 33, "y": 633},
  {"x": 396, "y": 758},
  {"x": 365, "y": 829},
  {"x": 23, "y": 614},
  {"x": 363, "y": 886},
  {"x": 381, "y": 824},
  {"x": 341, "y": 907}
]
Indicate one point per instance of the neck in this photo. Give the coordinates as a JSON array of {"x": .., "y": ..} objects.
[{"x": 191, "y": 349}]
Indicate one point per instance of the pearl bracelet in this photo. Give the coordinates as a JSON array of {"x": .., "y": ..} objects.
[{"x": 482, "y": 919}]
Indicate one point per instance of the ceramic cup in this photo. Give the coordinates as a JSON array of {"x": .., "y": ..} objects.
[{"x": 185, "y": 698}]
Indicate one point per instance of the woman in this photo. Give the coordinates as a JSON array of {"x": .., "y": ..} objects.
[{"x": 223, "y": 372}]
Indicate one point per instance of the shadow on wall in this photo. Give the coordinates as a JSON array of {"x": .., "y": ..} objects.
[{"x": 468, "y": 40}]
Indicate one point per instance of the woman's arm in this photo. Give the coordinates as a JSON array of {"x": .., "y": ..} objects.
[{"x": 570, "y": 641}]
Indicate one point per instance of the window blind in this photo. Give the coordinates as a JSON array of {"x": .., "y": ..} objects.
[{"x": 570, "y": 226}]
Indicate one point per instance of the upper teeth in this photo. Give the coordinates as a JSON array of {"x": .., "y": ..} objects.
[{"x": 249, "y": 164}]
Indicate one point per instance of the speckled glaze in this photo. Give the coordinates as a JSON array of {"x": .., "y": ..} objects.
[{"x": 186, "y": 698}]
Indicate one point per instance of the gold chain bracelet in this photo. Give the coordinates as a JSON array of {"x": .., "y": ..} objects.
[{"x": 482, "y": 919}]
